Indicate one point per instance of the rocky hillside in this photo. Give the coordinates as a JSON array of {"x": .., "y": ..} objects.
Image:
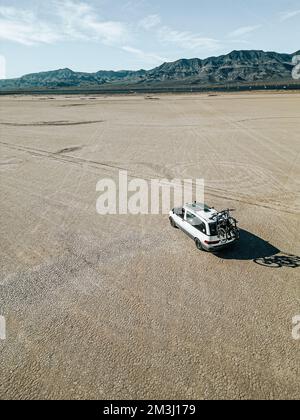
[
  {"x": 238, "y": 67},
  {"x": 66, "y": 78}
]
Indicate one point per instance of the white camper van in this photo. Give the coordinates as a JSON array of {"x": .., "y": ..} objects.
[{"x": 211, "y": 230}]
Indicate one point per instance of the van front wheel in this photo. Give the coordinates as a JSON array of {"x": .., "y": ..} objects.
[{"x": 172, "y": 223}]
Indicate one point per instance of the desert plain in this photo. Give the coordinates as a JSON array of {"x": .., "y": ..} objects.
[{"x": 124, "y": 306}]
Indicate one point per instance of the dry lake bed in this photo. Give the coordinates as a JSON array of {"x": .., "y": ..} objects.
[{"x": 125, "y": 307}]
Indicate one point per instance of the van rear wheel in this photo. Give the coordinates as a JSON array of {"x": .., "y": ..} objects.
[{"x": 198, "y": 244}]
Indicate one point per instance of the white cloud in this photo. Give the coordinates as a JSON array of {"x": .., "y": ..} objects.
[
  {"x": 289, "y": 15},
  {"x": 71, "y": 20},
  {"x": 79, "y": 21},
  {"x": 13, "y": 13},
  {"x": 187, "y": 40},
  {"x": 23, "y": 27},
  {"x": 244, "y": 30},
  {"x": 144, "y": 56},
  {"x": 150, "y": 22},
  {"x": 167, "y": 35}
]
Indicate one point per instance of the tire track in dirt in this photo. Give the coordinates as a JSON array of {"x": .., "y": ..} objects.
[
  {"x": 100, "y": 165},
  {"x": 254, "y": 135},
  {"x": 258, "y": 137},
  {"x": 267, "y": 119},
  {"x": 50, "y": 123},
  {"x": 60, "y": 157},
  {"x": 251, "y": 173}
]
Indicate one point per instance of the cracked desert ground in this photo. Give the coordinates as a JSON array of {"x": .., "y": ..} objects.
[{"x": 125, "y": 307}]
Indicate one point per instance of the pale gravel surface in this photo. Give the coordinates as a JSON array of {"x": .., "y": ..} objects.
[{"x": 125, "y": 307}]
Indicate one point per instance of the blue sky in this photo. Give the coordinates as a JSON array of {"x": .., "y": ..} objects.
[{"x": 90, "y": 35}]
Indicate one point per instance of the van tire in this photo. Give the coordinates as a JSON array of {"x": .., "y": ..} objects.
[
  {"x": 198, "y": 244},
  {"x": 172, "y": 223}
]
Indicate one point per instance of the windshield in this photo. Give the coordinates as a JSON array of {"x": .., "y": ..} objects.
[{"x": 213, "y": 229}]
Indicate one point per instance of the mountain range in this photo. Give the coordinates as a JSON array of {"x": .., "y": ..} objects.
[{"x": 247, "y": 67}]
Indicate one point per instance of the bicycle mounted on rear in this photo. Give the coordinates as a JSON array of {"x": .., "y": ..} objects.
[{"x": 226, "y": 225}]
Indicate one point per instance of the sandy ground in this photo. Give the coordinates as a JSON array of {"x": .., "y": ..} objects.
[{"x": 121, "y": 307}]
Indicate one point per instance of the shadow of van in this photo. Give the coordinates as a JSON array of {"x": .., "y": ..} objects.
[{"x": 251, "y": 247}]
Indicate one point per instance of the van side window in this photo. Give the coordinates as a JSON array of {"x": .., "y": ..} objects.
[
  {"x": 196, "y": 222},
  {"x": 179, "y": 212},
  {"x": 190, "y": 217},
  {"x": 201, "y": 227}
]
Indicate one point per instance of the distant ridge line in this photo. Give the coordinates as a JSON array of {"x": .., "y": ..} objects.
[{"x": 238, "y": 70}]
